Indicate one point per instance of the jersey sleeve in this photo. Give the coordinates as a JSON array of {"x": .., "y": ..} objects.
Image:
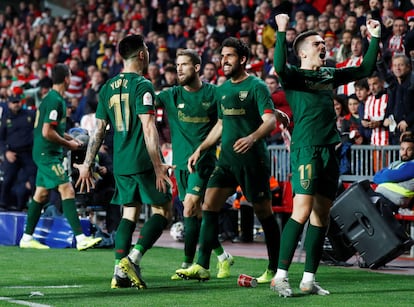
[
  {"x": 145, "y": 98},
  {"x": 101, "y": 111},
  {"x": 53, "y": 111},
  {"x": 263, "y": 98}
]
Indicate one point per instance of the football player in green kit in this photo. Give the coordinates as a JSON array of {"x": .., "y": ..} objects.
[
  {"x": 315, "y": 169},
  {"x": 49, "y": 140},
  {"x": 246, "y": 116},
  {"x": 127, "y": 102},
  {"x": 192, "y": 113}
]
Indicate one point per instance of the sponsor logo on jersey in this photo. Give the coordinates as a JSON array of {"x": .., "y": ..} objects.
[
  {"x": 205, "y": 104},
  {"x": 243, "y": 95},
  {"x": 180, "y": 106}
]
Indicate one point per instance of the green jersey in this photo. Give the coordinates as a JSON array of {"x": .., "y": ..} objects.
[
  {"x": 52, "y": 110},
  {"x": 191, "y": 116},
  {"x": 310, "y": 94},
  {"x": 121, "y": 100},
  {"x": 241, "y": 106}
]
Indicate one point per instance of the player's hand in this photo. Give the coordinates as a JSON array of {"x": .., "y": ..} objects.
[
  {"x": 282, "y": 22},
  {"x": 242, "y": 145},
  {"x": 374, "y": 28},
  {"x": 192, "y": 161},
  {"x": 162, "y": 178},
  {"x": 85, "y": 179},
  {"x": 282, "y": 118},
  {"x": 75, "y": 144}
]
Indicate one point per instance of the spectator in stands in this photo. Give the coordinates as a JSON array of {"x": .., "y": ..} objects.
[
  {"x": 344, "y": 49},
  {"x": 362, "y": 93},
  {"x": 354, "y": 60},
  {"x": 209, "y": 73},
  {"x": 16, "y": 141},
  {"x": 399, "y": 113},
  {"x": 91, "y": 101},
  {"x": 77, "y": 79},
  {"x": 349, "y": 134},
  {"x": 49, "y": 138},
  {"x": 394, "y": 44},
  {"x": 374, "y": 111},
  {"x": 170, "y": 77},
  {"x": 331, "y": 45},
  {"x": 154, "y": 75},
  {"x": 280, "y": 103},
  {"x": 396, "y": 182},
  {"x": 341, "y": 109},
  {"x": 323, "y": 24}
]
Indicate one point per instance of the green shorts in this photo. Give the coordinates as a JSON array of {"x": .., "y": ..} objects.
[
  {"x": 51, "y": 173},
  {"x": 191, "y": 183},
  {"x": 315, "y": 169},
  {"x": 253, "y": 179},
  {"x": 138, "y": 188}
]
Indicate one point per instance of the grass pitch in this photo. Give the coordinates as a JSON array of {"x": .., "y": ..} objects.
[{"x": 66, "y": 277}]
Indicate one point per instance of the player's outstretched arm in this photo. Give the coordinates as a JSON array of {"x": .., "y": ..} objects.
[
  {"x": 211, "y": 140},
  {"x": 86, "y": 179}
]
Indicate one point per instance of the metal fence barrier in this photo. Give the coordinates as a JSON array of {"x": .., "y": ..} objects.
[{"x": 365, "y": 161}]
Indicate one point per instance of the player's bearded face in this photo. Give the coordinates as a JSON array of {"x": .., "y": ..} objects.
[
  {"x": 186, "y": 77},
  {"x": 230, "y": 68}
]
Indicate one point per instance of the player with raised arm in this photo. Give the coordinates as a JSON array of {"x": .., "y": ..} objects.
[{"x": 314, "y": 163}]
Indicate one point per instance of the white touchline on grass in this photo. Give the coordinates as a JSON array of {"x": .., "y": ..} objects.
[
  {"x": 24, "y": 303},
  {"x": 43, "y": 287}
]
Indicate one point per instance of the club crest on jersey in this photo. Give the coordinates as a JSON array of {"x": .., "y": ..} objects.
[
  {"x": 243, "y": 95},
  {"x": 205, "y": 104},
  {"x": 305, "y": 184}
]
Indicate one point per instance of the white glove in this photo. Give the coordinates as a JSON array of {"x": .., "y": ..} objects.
[{"x": 374, "y": 28}]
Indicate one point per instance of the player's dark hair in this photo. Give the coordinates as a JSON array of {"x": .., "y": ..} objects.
[
  {"x": 130, "y": 45},
  {"x": 59, "y": 73},
  {"x": 192, "y": 54},
  {"x": 300, "y": 38},
  {"x": 242, "y": 49}
]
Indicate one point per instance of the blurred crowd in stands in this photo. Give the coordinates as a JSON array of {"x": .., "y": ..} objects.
[{"x": 373, "y": 111}]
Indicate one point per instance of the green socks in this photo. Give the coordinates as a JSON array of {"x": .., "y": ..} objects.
[
  {"x": 192, "y": 230},
  {"x": 272, "y": 238},
  {"x": 69, "y": 210},
  {"x": 150, "y": 232},
  {"x": 123, "y": 238},
  {"x": 289, "y": 242},
  {"x": 315, "y": 237},
  {"x": 208, "y": 237},
  {"x": 33, "y": 216}
]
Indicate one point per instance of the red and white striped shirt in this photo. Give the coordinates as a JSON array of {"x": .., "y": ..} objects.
[
  {"x": 77, "y": 83},
  {"x": 375, "y": 110},
  {"x": 348, "y": 89}
]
